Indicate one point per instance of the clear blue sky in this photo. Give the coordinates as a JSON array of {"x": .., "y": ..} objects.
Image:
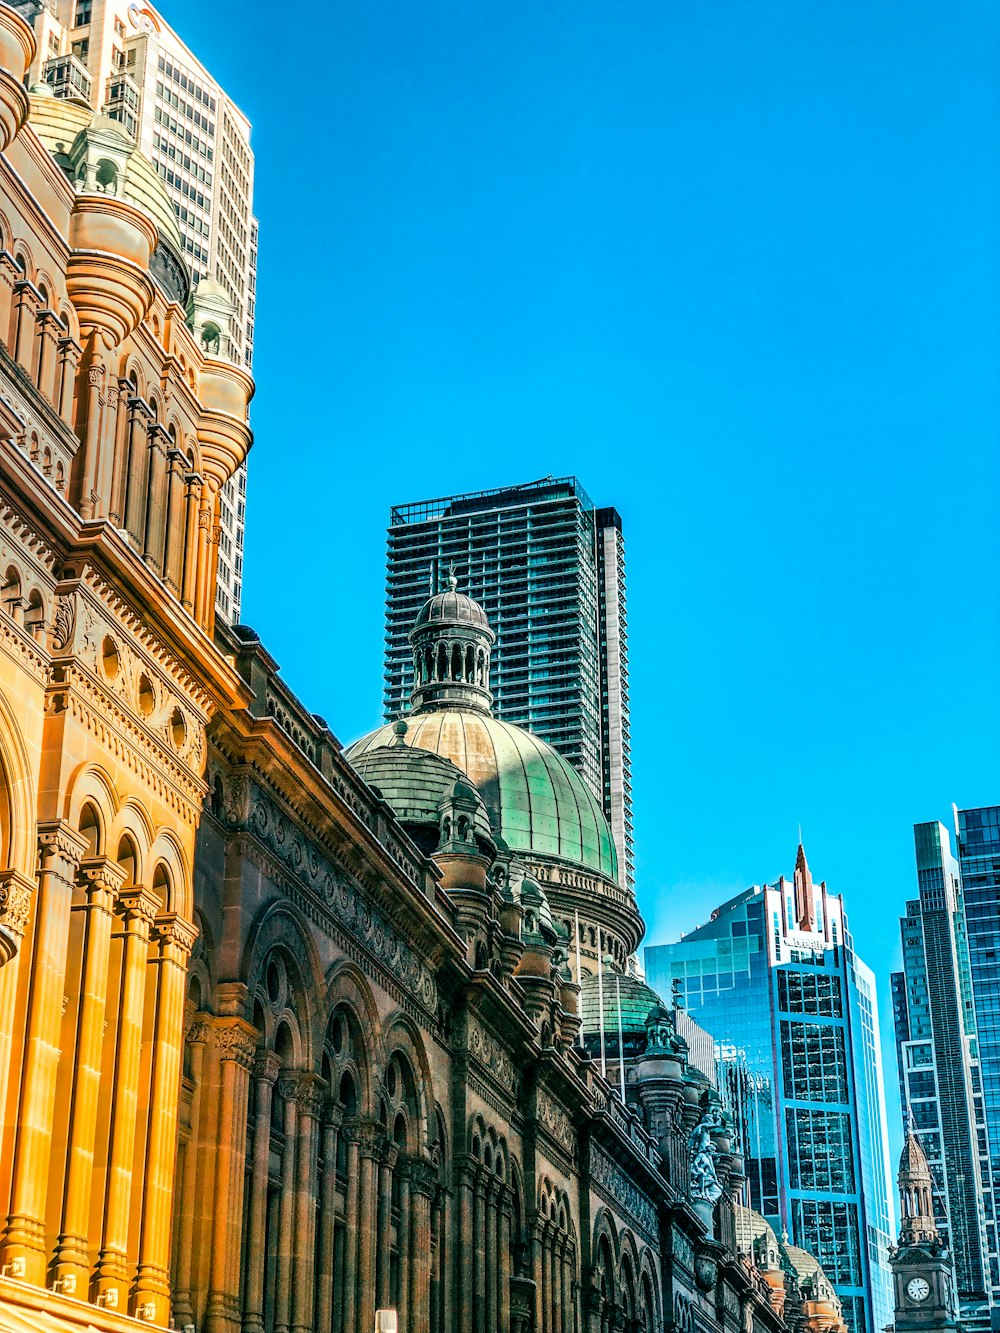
[{"x": 735, "y": 265}]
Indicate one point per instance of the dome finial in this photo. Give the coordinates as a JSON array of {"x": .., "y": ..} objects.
[{"x": 452, "y": 578}]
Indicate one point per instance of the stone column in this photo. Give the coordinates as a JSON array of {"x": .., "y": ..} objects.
[
  {"x": 465, "y": 1267},
  {"x": 9, "y": 274},
  {"x": 352, "y": 1133},
  {"x": 204, "y": 603},
  {"x": 136, "y": 909},
  {"x": 49, "y": 327},
  {"x": 17, "y": 894},
  {"x": 266, "y": 1070},
  {"x": 140, "y": 416},
  {"x": 478, "y": 1274},
  {"x": 189, "y": 583},
  {"x": 27, "y": 299},
  {"x": 383, "y": 1251},
  {"x": 60, "y": 850},
  {"x": 370, "y": 1147},
  {"x": 70, "y": 352},
  {"x": 492, "y": 1259},
  {"x": 173, "y": 555},
  {"x": 197, "y": 1037},
  {"x": 174, "y": 939},
  {"x": 538, "y": 1273},
  {"x": 405, "y": 1247},
  {"x": 423, "y": 1187},
  {"x": 235, "y": 1044},
  {"x": 102, "y": 879},
  {"x": 309, "y": 1106},
  {"x": 156, "y": 507},
  {"x": 332, "y": 1118},
  {"x": 505, "y": 1217},
  {"x": 288, "y": 1089}
]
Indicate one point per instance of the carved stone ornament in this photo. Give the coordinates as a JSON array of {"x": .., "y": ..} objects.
[
  {"x": 16, "y": 893},
  {"x": 706, "y": 1271},
  {"x": 267, "y": 1067},
  {"x": 704, "y": 1183},
  {"x": 63, "y": 623},
  {"x": 234, "y": 1042},
  {"x": 423, "y": 1177},
  {"x": 492, "y": 1056},
  {"x": 555, "y": 1120},
  {"x": 343, "y": 898},
  {"x": 623, "y": 1192}
]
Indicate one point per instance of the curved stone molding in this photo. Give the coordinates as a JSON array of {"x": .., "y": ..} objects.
[
  {"x": 17, "y": 50},
  {"x": 107, "y": 276}
]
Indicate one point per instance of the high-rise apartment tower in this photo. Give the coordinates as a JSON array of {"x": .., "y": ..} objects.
[
  {"x": 549, "y": 570},
  {"x": 775, "y": 979},
  {"x": 941, "y": 1084},
  {"x": 125, "y": 60}
]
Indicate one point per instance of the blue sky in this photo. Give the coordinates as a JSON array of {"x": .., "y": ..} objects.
[{"x": 735, "y": 265}]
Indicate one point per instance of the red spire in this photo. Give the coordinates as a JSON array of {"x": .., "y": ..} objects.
[{"x": 804, "y": 909}]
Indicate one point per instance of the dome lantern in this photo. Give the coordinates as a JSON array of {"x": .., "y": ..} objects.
[{"x": 451, "y": 643}]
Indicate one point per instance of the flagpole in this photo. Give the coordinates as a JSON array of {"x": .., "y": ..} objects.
[
  {"x": 579, "y": 968},
  {"x": 600, "y": 997},
  {"x": 621, "y": 1042}
]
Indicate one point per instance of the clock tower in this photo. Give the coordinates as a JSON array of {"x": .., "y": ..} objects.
[{"x": 923, "y": 1277}]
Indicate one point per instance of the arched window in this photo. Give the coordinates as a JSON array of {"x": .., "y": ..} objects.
[
  {"x": 12, "y": 592},
  {"x": 90, "y": 827},
  {"x": 456, "y": 662},
  {"x": 34, "y": 616}
]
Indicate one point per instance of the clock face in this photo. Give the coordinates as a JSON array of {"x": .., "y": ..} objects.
[{"x": 918, "y": 1289}]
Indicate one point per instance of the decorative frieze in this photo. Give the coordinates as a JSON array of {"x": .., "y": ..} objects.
[
  {"x": 554, "y": 1120},
  {"x": 622, "y": 1194},
  {"x": 492, "y": 1055}
]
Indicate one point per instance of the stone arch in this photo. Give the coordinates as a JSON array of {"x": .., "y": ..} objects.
[
  {"x": 166, "y": 851},
  {"x": 90, "y": 784},
  {"x": 17, "y": 804},
  {"x": 132, "y": 819},
  {"x": 402, "y": 1034},
  {"x": 607, "y": 1253},
  {"x": 280, "y": 926},
  {"x": 348, "y": 991},
  {"x": 649, "y": 1303}
]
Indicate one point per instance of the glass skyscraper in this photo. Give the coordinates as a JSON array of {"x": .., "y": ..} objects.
[
  {"x": 979, "y": 862},
  {"x": 938, "y": 1049},
  {"x": 774, "y": 977},
  {"x": 548, "y": 568}
]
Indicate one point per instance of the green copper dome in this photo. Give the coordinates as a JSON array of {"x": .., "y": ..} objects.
[
  {"x": 637, "y": 1000},
  {"x": 536, "y": 800},
  {"x": 415, "y": 783}
]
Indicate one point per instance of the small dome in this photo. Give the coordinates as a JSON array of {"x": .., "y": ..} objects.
[
  {"x": 637, "y": 1002},
  {"x": 537, "y": 801},
  {"x": 452, "y": 607},
  {"x": 414, "y": 783}
]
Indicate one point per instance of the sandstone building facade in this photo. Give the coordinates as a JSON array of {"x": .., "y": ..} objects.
[{"x": 287, "y": 1035}]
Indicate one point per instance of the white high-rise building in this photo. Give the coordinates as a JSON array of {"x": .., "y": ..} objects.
[{"x": 124, "y": 59}]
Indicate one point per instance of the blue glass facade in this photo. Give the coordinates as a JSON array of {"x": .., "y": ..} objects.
[
  {"x": 979, "y": 861},
  {"x": 938, "y": 1054},
  {"x": 794, "y": 1016}
]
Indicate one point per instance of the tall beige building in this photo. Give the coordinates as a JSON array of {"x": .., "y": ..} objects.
[{"x": 125, "y": 60}]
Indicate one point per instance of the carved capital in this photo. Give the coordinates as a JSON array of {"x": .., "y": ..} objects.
[
  {"x": 236, "y": 1041},
  {"x": 267, "y": 1067},
  {"x": 333, "y": 1115},
  {"x": 137, "y": 906},
  {"x": 16, "y": 892},
  {"x": 423, "y": 1177},
  {"x": 60, "y": 847},
  {"x": 173, "y": 931},
  {"x": 368, "y": 1135},
  {"x": 199, "y": 1031},
  {"x": 102, "y": 879},
  {"x": 309, "y": 1095}
]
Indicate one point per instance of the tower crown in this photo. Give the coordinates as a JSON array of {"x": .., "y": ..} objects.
[
  {"x": 916, "y": 1202},
  {"x": 451, "y": 641}
]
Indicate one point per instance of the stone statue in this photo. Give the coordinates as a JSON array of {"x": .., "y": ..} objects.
[{"x": 704, "y": 1179}]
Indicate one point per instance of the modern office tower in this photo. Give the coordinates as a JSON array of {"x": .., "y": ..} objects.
[
  {"x": 939, "y": 1065},
  {"x": 125, "y": 60},
  {"x": 549, "y": 570},
  {"x": 775, "y": 978},
  {"x": 979, "y": 863}
]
